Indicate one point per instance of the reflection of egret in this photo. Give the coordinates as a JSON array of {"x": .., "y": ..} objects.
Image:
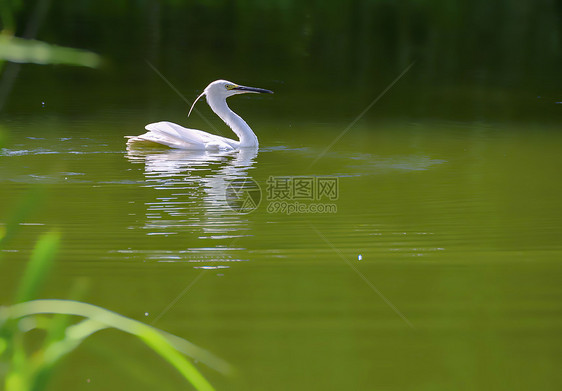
[
  {"x": 189, "y": 197},
  {"x": 205, "y": 174},
  {"x": 176, "y": 136}
]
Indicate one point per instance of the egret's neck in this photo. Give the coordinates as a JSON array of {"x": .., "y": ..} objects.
[{"x": 237, "y": 124}]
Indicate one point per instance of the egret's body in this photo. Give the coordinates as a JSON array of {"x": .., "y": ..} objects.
[{"x": 176, "y": 136}]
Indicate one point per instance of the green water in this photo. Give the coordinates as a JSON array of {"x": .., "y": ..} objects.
[
  {"x": 435, "y": 263},
  {"x": 439, "y": 269}
]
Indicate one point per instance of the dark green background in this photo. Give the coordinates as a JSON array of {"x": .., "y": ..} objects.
[{"x": 477, "y": 60}]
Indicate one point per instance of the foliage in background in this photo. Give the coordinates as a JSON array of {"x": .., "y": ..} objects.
[
  {"x": 26, "y": 49},
  {"x": 32, "y": 51},
  {"x": 348, "y": 43},
  {"x": 473, "y": 60}
]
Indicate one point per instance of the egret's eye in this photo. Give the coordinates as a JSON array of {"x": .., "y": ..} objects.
[{"x": 229, "y": 86}]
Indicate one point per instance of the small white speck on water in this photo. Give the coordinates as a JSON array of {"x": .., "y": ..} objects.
[
  {"x": 359, "y": 257},
  {"x": 42, "y": 104},
  {"x": 146, "y": 314}
]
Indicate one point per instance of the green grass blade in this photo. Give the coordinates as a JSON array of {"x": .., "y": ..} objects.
[
  {"x": 153, "y": 337},
  {"x": 55, "y": 351},
  {"x": 161, "y": 346},
  {"x": 41, "y": 261},
  {"x": 58, "y": 326}
]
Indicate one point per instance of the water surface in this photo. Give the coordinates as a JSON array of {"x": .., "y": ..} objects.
[{"x": 438, "y": 269}]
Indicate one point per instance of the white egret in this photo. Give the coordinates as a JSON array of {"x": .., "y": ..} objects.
[{"x": 176, "y": 136}]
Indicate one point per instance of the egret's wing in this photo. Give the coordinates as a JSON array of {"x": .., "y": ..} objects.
[
  {"x": 175, "y": 131},
  {"x": 162, "y": 139},
  {"x": 176, "y": 136},
  {"x": 192, "y": 135}
]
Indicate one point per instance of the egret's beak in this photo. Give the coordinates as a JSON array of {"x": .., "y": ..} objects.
[
  {"x": 244, "y": 89},
  {"x": 239, "y": 90}
]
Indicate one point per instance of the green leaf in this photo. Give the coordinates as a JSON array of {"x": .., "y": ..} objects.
[
  {"x": 31, "y": 51},
  {"x": 41, "y": 261},
  {"x": 98, "y": 318}
]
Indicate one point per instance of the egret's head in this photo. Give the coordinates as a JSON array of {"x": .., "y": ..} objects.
[{"x": 224, "y": 89}]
